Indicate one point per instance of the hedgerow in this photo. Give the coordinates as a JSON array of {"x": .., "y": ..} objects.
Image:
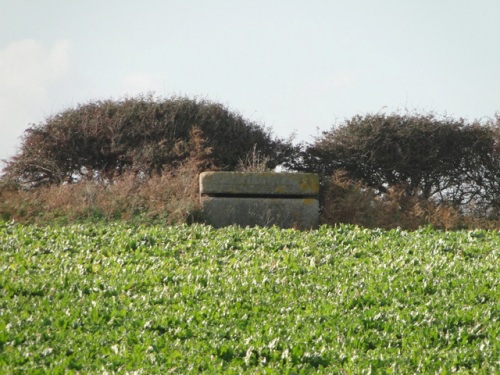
[{"x": 140, "y": 158}]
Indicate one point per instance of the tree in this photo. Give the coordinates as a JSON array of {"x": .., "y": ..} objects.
[
  {"x": 438, "y": 158},
  {"x": 103, "y": 139}
]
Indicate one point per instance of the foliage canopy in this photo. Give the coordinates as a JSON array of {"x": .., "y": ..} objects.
[
  {"x": 103, "y": 139},
  {"x": 433, "y": 157}
]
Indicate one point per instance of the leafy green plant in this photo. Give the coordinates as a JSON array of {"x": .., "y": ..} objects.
[{"x": 153, "y": 299}]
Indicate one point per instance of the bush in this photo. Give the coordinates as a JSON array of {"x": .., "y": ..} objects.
[
  {"x": 140, "y": 158},
  {"x": 351, "y": 202},
  {"x": 438, "y": 159},
  {"x": 171, "y": 197},
  {"x": 104, "y": 139}
]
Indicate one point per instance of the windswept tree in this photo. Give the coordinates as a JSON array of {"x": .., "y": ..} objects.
[
  {"x": 490, "y": 200},
  {"x": 434, "y": 157},
  {"x": 103, "y": 139}
]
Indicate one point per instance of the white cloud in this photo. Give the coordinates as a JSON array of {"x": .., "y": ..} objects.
[{"x": 29, "y": 71}]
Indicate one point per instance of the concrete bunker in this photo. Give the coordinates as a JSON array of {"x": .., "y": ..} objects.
[{"x": 288, "y": 200}]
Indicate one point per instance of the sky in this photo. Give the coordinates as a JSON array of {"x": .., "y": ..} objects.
[{"x": 297, "y": 67}]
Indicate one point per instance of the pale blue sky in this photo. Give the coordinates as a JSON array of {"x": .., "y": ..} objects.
[{"x": 294, "y": 66}]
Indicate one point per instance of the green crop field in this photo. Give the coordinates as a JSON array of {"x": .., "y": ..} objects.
[{"x": 118, "y": 298}]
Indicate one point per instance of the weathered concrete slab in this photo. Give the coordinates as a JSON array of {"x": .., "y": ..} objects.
[
  {"x": 283, "y": 212},
  {"x": 268, "y": 183},
  {"x": 288, "y": 200}
]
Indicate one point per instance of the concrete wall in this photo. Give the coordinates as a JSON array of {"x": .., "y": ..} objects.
[{"x": 288, "y": 200}]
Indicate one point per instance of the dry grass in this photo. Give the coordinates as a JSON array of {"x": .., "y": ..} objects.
[
  {"x": 254, "y": 161},
  {"x": 347, "y": 201},
  {"x": 171, "y": 196}
]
